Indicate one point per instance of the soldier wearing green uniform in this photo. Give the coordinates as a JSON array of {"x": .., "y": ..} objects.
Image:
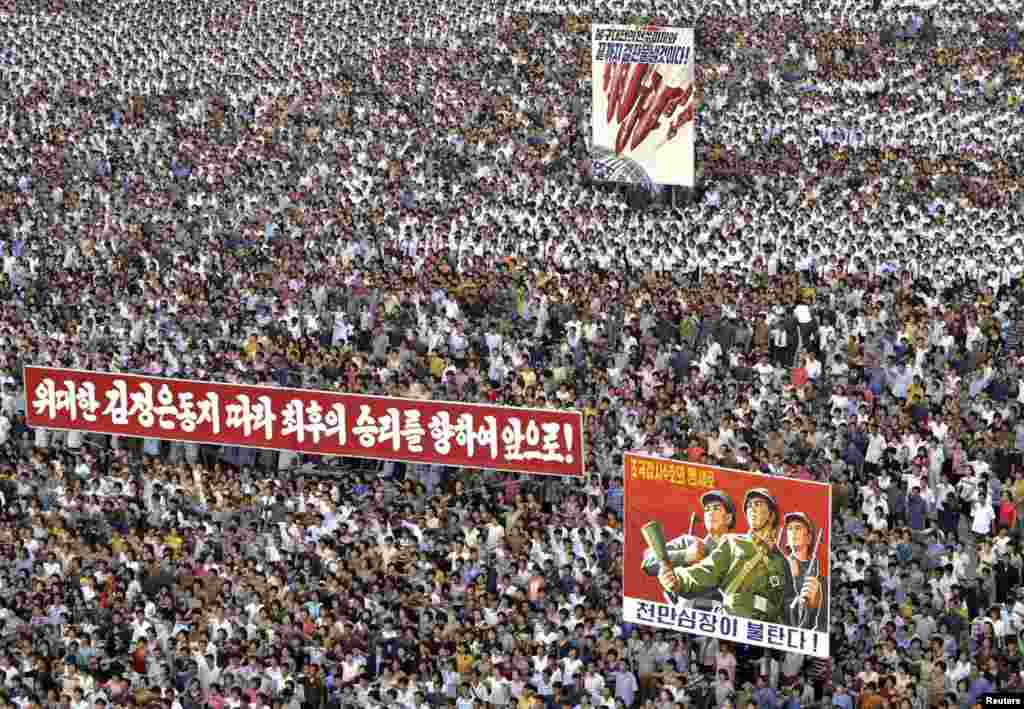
[
  {"x": 687, "y": 549},
  {"x": 804, "y": 587},
  {"x": 747, "y": 569}
]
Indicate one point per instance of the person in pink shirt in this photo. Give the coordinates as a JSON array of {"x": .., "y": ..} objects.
[
  {"x": 215, "y": 698},
  {"x": 511, "y": 488},
  {"x": 725, "y": 661},
  {"x": 253, "y": 690}
]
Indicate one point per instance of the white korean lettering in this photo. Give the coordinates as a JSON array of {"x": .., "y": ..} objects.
[
  {"x": 71, "y": 399},
  {"x": 45, "y": 401},
  {"x": 442, "y": 432},
  {"x": 552, "y": 444},
  {"x": 67, "y": 401},
  {"x": 472, "y": 437},
  {"x": 532, "y": 433},
  {"x": 312, "y": 420},
  {"x": 487, "y": 436},
  {"x": 413, "y": 431},
  {"x": 334, "y": 423},
  {"x": 209, "y": 411},
  {"x": 117, "y": 403},
  {"x": 315, "y": 420},
  {"x": 166, "y": 411},
  {"x": 293, "y": 420},
  {"x": 532, "y": 439},
  {"x": 86, "y": 398},
  {"x": 512, "y": 436},
  {"x": 187, "y": 414},
  {"x": 142, "y": 405},
  {"x": 391, "y": 428},
  {"x": 367, "y": 427},
  {"x": 465, "y": 437},
  {"x": 252, "y": 416}
]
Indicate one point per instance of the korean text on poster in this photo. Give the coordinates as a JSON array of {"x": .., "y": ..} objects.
[
  {"x": 538, "y": 441},
  {"x": 727, "y": 554},
  {"x": 644, "y": 104}
]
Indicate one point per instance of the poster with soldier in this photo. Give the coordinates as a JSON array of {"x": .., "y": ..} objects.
[{"x": 726, "y": 553}]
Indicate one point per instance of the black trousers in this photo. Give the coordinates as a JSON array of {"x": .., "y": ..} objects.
[{"x": 971, "y": 598}]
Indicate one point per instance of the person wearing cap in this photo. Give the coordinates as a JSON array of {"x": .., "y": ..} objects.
[
  {"x": 747, "y": 569},
  {"x": 686, "y": 549},
  {"x": 804, "y": 605}
]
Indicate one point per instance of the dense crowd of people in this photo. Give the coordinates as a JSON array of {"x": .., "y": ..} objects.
[{"x": 395, "y": 199}]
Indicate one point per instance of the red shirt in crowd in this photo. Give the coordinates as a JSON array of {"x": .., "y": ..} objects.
[{"x": 1007, "y": 514}]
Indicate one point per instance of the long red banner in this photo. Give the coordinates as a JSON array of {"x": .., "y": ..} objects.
[{"x": 541, "y": 441}]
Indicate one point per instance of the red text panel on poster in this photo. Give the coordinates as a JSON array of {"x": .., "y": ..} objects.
[
  {"x": 748, "y": 553},
  {"x": 538, "y": 441}
]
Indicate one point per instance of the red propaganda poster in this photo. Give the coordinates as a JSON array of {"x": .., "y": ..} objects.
[
  {"x": 727, "y": 554},
  {"x": 541, "y": 441}
]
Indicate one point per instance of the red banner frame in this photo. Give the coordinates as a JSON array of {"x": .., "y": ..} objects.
[{"x": 536, "y": 441}]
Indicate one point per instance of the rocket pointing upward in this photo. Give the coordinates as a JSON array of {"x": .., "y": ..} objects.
[
  {"x": 619, "y": 78},
  {"x": 689, "y": 110},
  {"x": 669, "y": 92},
  {"x": 645, "y": 94},
  {"x": 636, "y": 77},
  {"x": 685, "y": 117}
]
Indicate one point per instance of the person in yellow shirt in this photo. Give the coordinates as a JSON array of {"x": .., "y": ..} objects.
[
  {"x": 174, "y": 542},
  {"x": 529, "y": 700},
  {"x": 251, "y": 346},
  {"x": 915, "y": 392},
  {"x": 437, "y": 366},
  {"x": 463, "y": 660},
  {"x": 57, "y": 531},
  {"x": 529, "y": 377},
  {"x": 1018, "y": 488}
]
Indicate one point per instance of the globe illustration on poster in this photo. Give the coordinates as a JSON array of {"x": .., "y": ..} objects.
[{"x": 609, "y": 167}]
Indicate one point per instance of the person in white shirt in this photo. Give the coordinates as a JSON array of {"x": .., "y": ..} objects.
[
  {"x": 500, "y": 691},
  {"x": 958, "y": 670},
  {"x": 813, "y": 366},
  {"x": 854, "y": 571},
  {"x": 78, "y": 700},
  {"x": 571, "y": 666},
  {"x": 878, "y": 521},
  {"x": 351, "y": 667},
  {"x": 1003, "y": 539},
  {"x": 466, "y": 699},
  {"x": 873, "y": 499},
  {"x": 594, "y": 683},
  {"x": 982, "y": 517}
]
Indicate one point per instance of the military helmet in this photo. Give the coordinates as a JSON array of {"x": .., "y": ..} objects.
[
  {"x": 799, "y": 517},
  {"x": 720, "y": 496},
  {"x": 764, "y": 495}
]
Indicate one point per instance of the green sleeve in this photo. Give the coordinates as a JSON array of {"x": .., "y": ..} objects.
[
  {"x": 709, "y": 573},
  {"x": 676, "y": 557}
]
